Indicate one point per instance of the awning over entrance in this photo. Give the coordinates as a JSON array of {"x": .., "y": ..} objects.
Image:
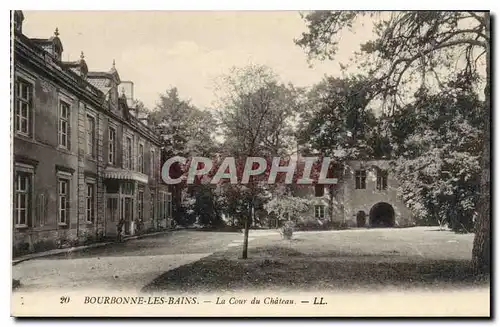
[{"x": 123, "y": 174}]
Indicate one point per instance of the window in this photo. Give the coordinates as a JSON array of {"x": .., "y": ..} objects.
[
  {"x": 360, "y": 179},
  {"x": 152, "y": 206},
  {"x": 23, "y": 107},
  {"x": 91, "y": 136},
  {"x": 152, "y": 164},
  {"x": 90, "y": 205},
  {"x": 141, "y": 158},
  {"x": 140, "y": 204},
  {"x": 164, "y": 205},
  {"x": 112, "y": 146},
  {"x": 63, "y": 190},
  {"x": 64, "y": 113},
  {"x": 169, "y": 205},
  {"x": 319, "y": 211},
  {"x": 382, "y": 180},
  {"x": 128, "y": 188},
  {"x": 22, "y": 206},
  {"x": 319, "y": 190},
  {"x": 127, "y": 153}
]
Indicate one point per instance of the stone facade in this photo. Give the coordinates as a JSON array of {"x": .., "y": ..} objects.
[
  {"x": 365, "y": 199},
  {"x": 65, "y": 171},
  {"x": 370, "y": 201}
]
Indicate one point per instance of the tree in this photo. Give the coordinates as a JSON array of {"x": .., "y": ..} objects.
[
  {"x": 287, "y": 207},
  {"x": 186, "y": 131},
  {"x": 418, "y": 46},
  {"x": 255, "y": 116},
  {"x": 437, "y": 141},
  {"x": 140, "y": 107},
  {"x": 338, "y": 123}
]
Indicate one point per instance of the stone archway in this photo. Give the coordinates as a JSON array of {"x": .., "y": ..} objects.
[
  {"x": 382, "y": 215},
  {"x": 361, "y": 219}
]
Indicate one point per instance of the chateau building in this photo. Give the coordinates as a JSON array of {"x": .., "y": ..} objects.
[{"x": 82, "y": 158}]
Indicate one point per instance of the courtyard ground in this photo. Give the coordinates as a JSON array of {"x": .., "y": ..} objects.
[
  {"x": 362, "y": 259},
  {"x": 126, "y": 266}
]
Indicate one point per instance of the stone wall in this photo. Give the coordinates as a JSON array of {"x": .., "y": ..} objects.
[
  {"x": 356, "y": 200},
  {"x": 348, "y": 200},
  {"x": 41, "y": 149},
  {"x": 41, "y": 153}
]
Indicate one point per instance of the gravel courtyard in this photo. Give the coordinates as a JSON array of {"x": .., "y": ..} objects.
[{"x": 195, "y": 261}]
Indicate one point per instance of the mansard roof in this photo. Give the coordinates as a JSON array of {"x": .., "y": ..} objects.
[
  {"x": 32, "y": 51},
  {"x": 52, "y": 45},
  {"x": 102, "y": 82},
  {"x": 112, "y": 75},
  {"x": 78, "y": 67}
]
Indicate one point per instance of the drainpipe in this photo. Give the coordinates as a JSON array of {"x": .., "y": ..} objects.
[{"x": 97, "y": 179}]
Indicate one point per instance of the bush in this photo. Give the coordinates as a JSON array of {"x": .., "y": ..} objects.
[
  {"x": 287, "y": 230},
  {"x": 44, "y": 245},
  {"x": 336, "y": 225},
  {"x": 16, "y": 283},
  {"x": 21, "y": 249}
]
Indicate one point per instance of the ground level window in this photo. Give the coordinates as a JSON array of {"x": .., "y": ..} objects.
[
  {"x": 169, "y": 205},
  {"x": 319, "y": 211},
  {"x": 63, "y": 190},
  {"x": 319, "y": 190},
  {"x": 140, "y": 204},
  {"x": 22, "y": 198},
  {"x": 152, "y": 206},
  {"x": 165, "y": 204}
]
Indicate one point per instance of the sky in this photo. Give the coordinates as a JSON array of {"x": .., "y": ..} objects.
[{"x": 158, "y": 50}]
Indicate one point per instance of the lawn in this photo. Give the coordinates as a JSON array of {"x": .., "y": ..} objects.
[{"x": 335, "y": 260}]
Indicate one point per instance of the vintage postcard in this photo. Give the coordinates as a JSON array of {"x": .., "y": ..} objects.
[{"x": 250, "y": 163}]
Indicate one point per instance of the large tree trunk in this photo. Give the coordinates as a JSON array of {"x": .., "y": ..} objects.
[
  {"x": 482, "y": 242},
  {"x": 331, "y": 195},
  {"x": 244, "y": 254},
  {"x": 248, "y": 221}
]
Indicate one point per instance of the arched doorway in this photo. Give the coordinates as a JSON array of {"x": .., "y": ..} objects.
[
  {"x": 361, "y": 218},
  {"x": 382, "y": 215}
]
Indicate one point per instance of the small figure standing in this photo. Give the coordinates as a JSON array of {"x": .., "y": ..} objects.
[{"x": 119, "y": 228}]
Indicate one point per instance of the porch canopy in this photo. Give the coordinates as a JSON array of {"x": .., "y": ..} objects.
[{"x": 124, "y": 174}]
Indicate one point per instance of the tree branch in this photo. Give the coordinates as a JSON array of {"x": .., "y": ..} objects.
[{"x": 478, "y": 18}]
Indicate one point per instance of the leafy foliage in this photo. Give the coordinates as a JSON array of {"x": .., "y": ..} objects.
[
  {"x": 338, "y": 123},
  {"x": 256, "y": 114},
  {"x": 186, "y": 131},
  {"x": 438, "y": 140},
  {"x": 419, "y": 48},
  {"x": 287, "y": 207}
]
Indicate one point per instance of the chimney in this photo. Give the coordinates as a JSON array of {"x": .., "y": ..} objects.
[{"x": 18, "y": 20}]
